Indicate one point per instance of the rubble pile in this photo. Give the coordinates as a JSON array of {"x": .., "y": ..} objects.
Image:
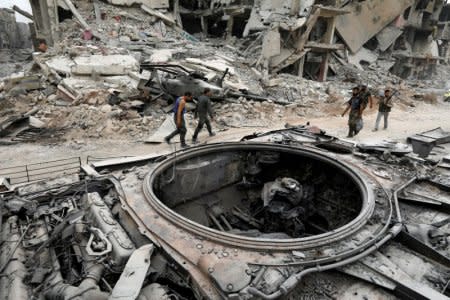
[
  {"x": 114, "y": 68},
  {"x": 13, "y": 61}
]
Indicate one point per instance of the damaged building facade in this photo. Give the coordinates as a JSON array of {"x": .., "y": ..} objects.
[
  {"x": 13, "y": 34},
  {"x": 312, "y": 39}
]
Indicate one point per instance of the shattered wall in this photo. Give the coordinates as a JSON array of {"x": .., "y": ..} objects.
[{"x": 307, "y": 38}]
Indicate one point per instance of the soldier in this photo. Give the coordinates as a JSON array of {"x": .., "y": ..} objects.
[
  {"x": 355, "y": 117},
  {"x": 366, "y": 97},
  {"x": 179, "y": 110},
  {"x": 203, "y": 110},
  {"x": 384, "y": 108}
]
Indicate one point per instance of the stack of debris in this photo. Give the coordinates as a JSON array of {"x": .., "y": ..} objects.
[
  {"x": 115, "y": 68},
  {"x": 296, "y": 37}
]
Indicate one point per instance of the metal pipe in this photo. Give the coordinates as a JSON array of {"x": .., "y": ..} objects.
[
  {"x": 216, "y": 222},
  {"x": 225, "y": 221},
  {"x": 259, "y": 275},
  {"x": 10, "y": 255},
  {"x": 294, "y": 279},
  {"x": 395, "y": 196}
]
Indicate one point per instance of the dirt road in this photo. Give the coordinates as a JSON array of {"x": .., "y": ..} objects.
[{"x": 404, "y": 121}]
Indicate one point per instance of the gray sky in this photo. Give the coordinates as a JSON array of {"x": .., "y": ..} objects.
[{"x": 23, "y": 4}]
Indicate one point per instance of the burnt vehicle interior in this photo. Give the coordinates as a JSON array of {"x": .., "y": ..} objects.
[
  {"x": 72, "y": 242},
  {"x": 264, "y": 194}
]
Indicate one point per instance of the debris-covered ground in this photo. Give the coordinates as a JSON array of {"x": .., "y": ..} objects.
[{"x": 279, "y": 203}]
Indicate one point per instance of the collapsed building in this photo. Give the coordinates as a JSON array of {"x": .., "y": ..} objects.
[
  {"x": 308, "y": 38},
  {"x": 116, "y": 66}
]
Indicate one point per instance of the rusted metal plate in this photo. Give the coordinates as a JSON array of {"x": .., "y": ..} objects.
[{"x": 355, "y": 29}]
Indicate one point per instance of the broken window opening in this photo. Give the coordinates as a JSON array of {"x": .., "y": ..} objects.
[
  {"x": 216, "y": 27},
  {"x": 444, "y": 16},
  {"x": 406, "y": 13},
  {"x": 239, "y": 24},
  {"x": 64, "y": 14},
  {"x": 372, "y": 44},
  {"x": 192, "y": 24}
]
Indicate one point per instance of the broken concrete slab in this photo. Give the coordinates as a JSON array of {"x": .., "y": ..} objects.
[
  {"x": 61, "y": 65},
  {"x": 76, "y": 85},
  {"x": 105, "y": 65},
  {"x": 388, "y": 36},
  {"x": 79, "y": 17},
  {"x": 364, "y": 55},
  {"x": 22, "y": 81},
  {"x": 271, "y": 44},
  {"x": 14, "y": 125},
  {"x": 123, "y": 82},
  {"x": 385, "y": 64},
  {"x": 161, "y": 56},
  {"x": 354, "y": 28}
]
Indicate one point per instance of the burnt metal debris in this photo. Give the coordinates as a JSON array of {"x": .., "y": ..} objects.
[
  {"x": 244, "y": 220},
  {"x": 423, "y": 143},
  {"x": 292, "y": 213}
]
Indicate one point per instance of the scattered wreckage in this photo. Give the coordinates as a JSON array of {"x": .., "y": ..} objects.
[
  {"x": 237, "y": 220},
  {"x": 174, "y": 80}
]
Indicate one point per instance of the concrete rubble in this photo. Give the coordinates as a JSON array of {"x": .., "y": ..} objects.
[{"x": 103, "y": 55}]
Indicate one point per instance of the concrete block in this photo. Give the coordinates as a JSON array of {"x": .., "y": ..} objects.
[
  {"x": 363, "y": 55},
  {"x": 271, "y": 44},
  {"x": 105, "y": 65},
  {"x": 60, "y": 64},
  {"x": 21, "y": 81},
  {"x": 161, "y": 56},
  {"x": 388, "y": 36}
]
